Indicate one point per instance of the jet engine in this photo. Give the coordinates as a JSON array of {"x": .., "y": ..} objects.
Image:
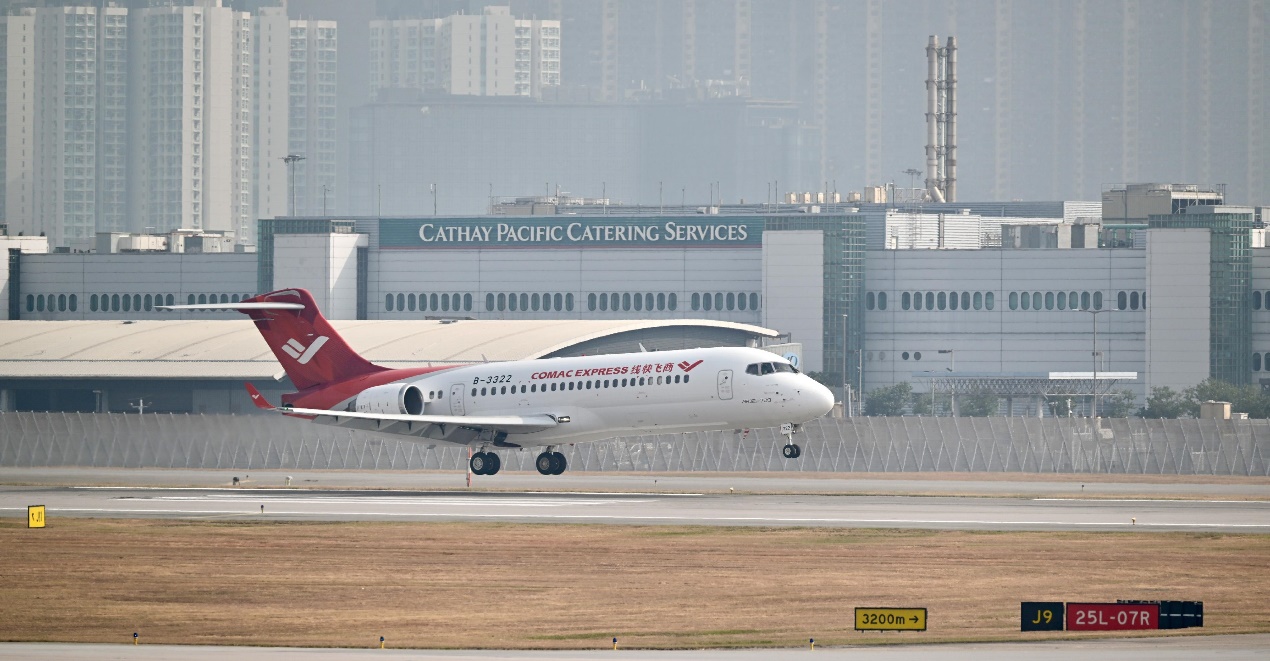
[{"x": 392, "y": 398}]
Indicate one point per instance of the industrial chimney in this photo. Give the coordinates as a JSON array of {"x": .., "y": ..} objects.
[{"x": 941, "y": 120}]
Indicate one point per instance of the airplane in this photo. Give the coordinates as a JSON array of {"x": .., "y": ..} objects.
[{"x": 543, "y": 403}]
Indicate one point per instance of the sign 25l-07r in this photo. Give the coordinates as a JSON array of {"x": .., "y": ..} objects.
[{"x": 1112, "y": 617}]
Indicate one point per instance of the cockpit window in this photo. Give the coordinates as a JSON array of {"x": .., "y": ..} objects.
[{"x": 770, "y": 368}]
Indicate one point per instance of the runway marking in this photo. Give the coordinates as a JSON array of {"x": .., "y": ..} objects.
[
  {"x": 417, "y": 502},
  {"x": 738, "y": 519},
  {"x": 1151, "y": 500}
]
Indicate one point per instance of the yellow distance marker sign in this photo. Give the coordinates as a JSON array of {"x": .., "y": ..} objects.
[
  {"x": 890, "y": 619},
  {"x": 35, "y": 516}
]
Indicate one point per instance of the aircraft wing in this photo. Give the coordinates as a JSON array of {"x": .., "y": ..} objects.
[{"x": 512, "y": 424}]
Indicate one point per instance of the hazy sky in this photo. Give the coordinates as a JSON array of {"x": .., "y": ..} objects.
[{"x": 1057, "y": 98}]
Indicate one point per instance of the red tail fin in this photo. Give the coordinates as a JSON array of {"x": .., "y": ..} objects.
[{"x": 306, "y": 345}]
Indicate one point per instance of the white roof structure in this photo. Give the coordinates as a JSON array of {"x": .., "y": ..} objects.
[{"x": 232, "y": 349}]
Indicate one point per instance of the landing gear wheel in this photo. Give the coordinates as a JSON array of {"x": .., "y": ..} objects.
[
  {"x": 493, "y": 463},
  {"x": 480, "y": 463},
  {"x": 558, "y": 463},
  {"x": 545, "y": 462},
  {"x": 792, "y": 451}
]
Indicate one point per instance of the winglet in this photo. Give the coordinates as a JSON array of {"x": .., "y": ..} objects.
[{"x": 257, "y": 398}]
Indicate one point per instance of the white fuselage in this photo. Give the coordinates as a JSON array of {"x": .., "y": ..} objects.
[{"x": 627, "y": 394}]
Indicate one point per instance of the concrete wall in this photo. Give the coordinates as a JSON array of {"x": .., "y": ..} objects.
[
  {"x": 1177, "y": 324},
  {"x": 794, "y": 290}
]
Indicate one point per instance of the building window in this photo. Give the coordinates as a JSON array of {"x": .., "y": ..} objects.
[
  {"x": 754, "y": 301},
  {"x": 388, "y": 302},
  {"x": 410, "y": 302},
  {"x": 511, "y": 302},
  {"x": 114, "y": 302},
  {"x": 1122, "y": 301},
  {"x": 869, "y": 300},
  {"x": 1014, "y": 300},
  {"x": 904, "y": 355},
  {"x": 535, "y": 302},
  {"x": 1256, "y": 362},
  {"x": 906, "y": 301},
  {"x": 965, "y": 300},
  {"x": 672, "y": 301},
  {"x": 989, "y": 300},
  {"x": 489, "y": 302},
  {"x": 1097, "y": 300},
  {"x": 1049, "y": 300},
  {"x": 1036, "y": 300},
  {"x": 978, "y": 300},
  {"x": 661, "y": 301},
  {"x": 445, "y": 302},
  {"x": 590, "y": 302},
  {"x": 626, "y": 302},
  {"x": 92, "y": 303},
  {"x": 917, "y": 300},
  {"x": 707, "y": 301},
  {"x": 881, "y": 300},
  {"x": 930, "y": 300},
  {"x": 502, "y": 302},
  {"x": 604, "y": 302},
  {"x": 731, "y": 302},
  {"x": 75, "y": 302},
  {"x": 942, "y": 300},
  {"x": 524, "y": 302},
  {"x": 917, "y": 355}
]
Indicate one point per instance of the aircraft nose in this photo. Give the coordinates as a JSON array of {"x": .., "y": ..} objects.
[{"x": 819, "y": 399}]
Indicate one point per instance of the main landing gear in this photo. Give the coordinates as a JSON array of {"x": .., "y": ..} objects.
[
  {"x": 791, "y": 449},
  {"x": 485, "y": 463},
  {"x": 551, "y": 462}
]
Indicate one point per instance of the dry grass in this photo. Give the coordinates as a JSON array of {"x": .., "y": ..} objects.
[{"x": 539, "y": 586}]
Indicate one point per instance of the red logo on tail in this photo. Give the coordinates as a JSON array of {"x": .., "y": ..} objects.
[{"x": 686, "y": 366}]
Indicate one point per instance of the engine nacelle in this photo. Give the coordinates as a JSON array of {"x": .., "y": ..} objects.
[{"x": 393, "y": 399}]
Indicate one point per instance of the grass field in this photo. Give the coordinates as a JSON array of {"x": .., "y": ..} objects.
[{"x": 577, "y": 586}]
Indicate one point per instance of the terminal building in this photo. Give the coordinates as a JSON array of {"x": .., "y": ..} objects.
[{"x": 1008, "y": 297}]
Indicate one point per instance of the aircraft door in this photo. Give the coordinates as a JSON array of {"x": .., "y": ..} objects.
[
  {"x": 725, "y": 384},
  {"x": 456, "y": 399}
]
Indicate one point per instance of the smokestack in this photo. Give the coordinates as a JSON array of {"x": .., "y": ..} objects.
[
  {"x": 951, "y": 172},
  {"x": 932, "y": 117}
]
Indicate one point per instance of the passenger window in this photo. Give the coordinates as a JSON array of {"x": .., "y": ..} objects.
[
  {"x": 676, "y": 378},
  {"x": 686, "y": 377}
]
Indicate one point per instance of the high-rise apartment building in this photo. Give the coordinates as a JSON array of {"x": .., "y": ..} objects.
[
  {"x": 191, "y": 140},
  {"x": 64, "y": 109},
  {"x": 487, "y": 54},
  {"x": 295, "y": 114},
  {"x": 126, "y": 117},
  {"x": 17, "y": 122}
]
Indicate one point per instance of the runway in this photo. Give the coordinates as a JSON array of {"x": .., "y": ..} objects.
[
  {"x": 1173, "y": 648},
  {"x": 649, "y": 508}
]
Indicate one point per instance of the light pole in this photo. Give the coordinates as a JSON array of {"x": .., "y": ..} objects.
[
  {"x": 291, "y": 160},
  {"x": 1093, "y": 413},
  {"x": 846, "y": 401},
  {"x": 952, "y": 391}
]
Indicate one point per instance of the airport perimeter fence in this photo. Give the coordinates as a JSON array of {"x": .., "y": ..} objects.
[{"x": 900, "y": 444}]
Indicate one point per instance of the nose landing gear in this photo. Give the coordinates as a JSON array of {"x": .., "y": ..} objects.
[
  {"x": 791, "y": 449},
  {"x": 551, "y": 462}
]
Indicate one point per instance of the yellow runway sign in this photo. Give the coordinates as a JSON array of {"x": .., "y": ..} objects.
[
  {"x": 35, "y": 516},
  {"x": 890, "y": 619}
]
